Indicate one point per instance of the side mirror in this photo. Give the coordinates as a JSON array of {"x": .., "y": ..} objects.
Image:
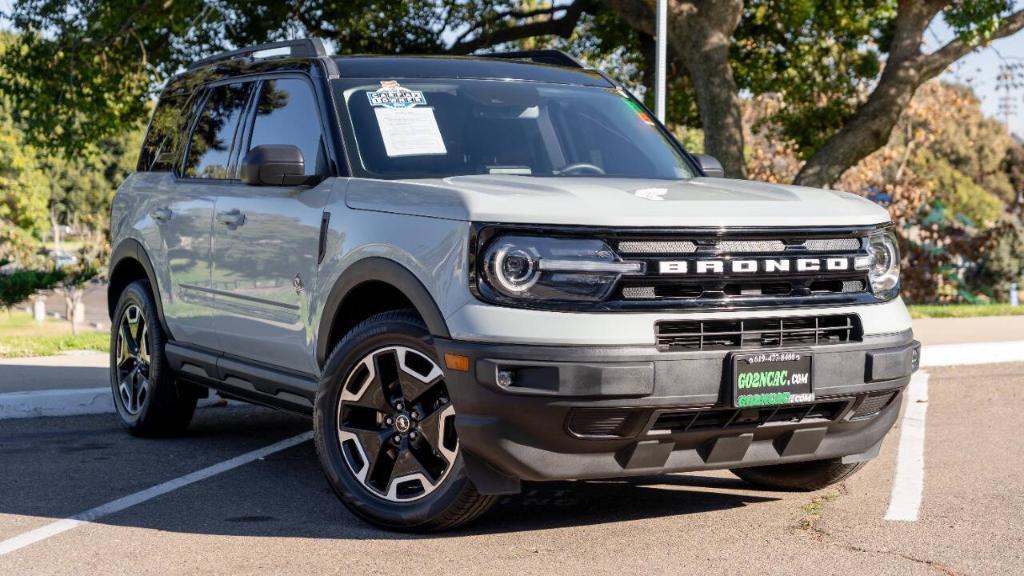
[
  {"x": 274, "y": 165},
  {"x": 710, "y": 166}
]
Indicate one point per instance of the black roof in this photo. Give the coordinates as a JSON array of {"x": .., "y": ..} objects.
[
  {"x": 480, "y": 67},
  {"x": 310, "y": 55}
]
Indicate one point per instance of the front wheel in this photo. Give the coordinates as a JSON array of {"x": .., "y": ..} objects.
[
  {"x": 385, "y": 429},
  {"x": 799, "y": 476}
]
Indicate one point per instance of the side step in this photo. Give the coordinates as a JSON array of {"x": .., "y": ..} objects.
[{"x": 245, "y": 379}]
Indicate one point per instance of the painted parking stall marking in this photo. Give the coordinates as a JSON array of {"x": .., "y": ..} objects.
[
  {"x": 115, "y": 506},
  {"x": 908, "y": 485}
]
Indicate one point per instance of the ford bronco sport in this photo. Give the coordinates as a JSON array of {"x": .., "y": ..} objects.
[{"x": 474, "y": 272}]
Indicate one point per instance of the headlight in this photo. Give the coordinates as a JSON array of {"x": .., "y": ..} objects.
[
  {"x": 533, "y": 268},
  {"x": 882, "y": 264}
]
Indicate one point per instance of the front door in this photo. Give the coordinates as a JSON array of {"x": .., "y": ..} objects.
[{"x": 266, "y": 238}]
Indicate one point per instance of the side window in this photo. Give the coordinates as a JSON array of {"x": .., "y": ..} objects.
[
  {"x": 166, "y": 131},
  {"x": 286, "y": 113},
  {"x": 213, "y": 139}
]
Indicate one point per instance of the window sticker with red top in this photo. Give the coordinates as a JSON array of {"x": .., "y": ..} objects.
[{"x": 392, "y": 95}]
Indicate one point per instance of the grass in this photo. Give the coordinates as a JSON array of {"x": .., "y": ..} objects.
[
  {"x": 20, "y": 336},
  {"x": 964, "y": 310},
  {"x": 816, "y": 506},
  {"x": 22, "y": 346}
]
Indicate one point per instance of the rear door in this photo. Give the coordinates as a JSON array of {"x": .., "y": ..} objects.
[
  {"x": 266, "y": 238},
  {"x": 185, "y": 215}
]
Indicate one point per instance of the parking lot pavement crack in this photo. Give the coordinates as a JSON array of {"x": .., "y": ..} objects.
[{"x": 809, "y": 525}]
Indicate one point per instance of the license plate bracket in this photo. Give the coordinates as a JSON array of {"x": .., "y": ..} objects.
[{"x": 775, "y": 378}]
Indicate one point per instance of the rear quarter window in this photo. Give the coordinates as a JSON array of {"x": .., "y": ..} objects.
[{"x": 166, "y": 134}]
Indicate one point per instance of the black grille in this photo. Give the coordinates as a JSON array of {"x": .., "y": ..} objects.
[
  {"x": 727, "y": 287},
  {"x": 725, "y": 418},
  {"x": 602, "y": 423},
  {"x": 873, "y": 404},
  {"x": 758, "y": 332}
]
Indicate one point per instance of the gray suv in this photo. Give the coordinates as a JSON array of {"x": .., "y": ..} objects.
[{"x": 474, "y": 272}]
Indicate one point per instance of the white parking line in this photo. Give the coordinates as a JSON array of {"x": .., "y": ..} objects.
[
  {"x": 54, "y": 528},
  {"x": 908, "y": 485}
]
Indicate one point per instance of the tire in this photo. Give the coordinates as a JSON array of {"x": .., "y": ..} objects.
[
  {"x": 799, "y": 476},
  {"x": 382, "y": 382},
  {"x": 148, "y": 400}
]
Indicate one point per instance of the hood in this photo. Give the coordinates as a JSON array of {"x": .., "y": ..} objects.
[{"x": 698, "y": 202}]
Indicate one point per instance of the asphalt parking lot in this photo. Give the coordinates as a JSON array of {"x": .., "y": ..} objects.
[{"x": 276, "y": 515}]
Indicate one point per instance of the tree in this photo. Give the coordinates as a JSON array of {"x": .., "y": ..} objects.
[
  {"x": 907, "y": 67},
  {"x": 700, "y": 32},
  {"x": 18, "y": 285},
  {"x": 84, "y": 70}
]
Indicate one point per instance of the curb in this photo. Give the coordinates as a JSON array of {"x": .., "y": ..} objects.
[
  {"x": 58, "y": 403},
  {"x": 938, "y": 355}
]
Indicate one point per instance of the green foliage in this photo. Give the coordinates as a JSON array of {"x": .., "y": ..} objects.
[
  {"x": 818, "y": 55},
  {"x": 81, "y": 188},
  {"x": 1000, "y": 263},
  {"x": 957, "y": 196},
  {"x": 974, "y": 21},
  {"x": 84, "y": 70},
  {"x": 19, "y": 285},
  {"x": 23, "y": 186}
]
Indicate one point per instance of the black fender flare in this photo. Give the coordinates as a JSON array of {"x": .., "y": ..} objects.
[
  {"x": 131, "y": 249},
  {"x": 376, "y": 269}
]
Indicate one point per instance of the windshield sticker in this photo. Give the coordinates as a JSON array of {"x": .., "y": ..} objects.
[
  {"x": 391, "y": 95},
  {"x": 640, "y": 112},
  {"x": 410, "y": 132}
]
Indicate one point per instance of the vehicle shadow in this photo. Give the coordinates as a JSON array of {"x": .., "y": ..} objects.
[{"x": 285, "y": 494}]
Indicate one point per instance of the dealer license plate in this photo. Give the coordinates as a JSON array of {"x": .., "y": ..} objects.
[{"x": 771, "y": 378}]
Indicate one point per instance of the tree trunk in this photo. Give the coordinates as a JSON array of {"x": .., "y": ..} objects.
[
  {"x": 707, "y": 60},
  {"x": 700, "y": 33},
  {"x": 867, "y": 131}
]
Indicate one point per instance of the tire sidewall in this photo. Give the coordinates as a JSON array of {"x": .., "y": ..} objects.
[
  {"x": 363, "y": 340},
  {"x": 138, "y": 293}
]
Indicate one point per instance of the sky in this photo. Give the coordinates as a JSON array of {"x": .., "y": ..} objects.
[{"x": 978, "y": 70}]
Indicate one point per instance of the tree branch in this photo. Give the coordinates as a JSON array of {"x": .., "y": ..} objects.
[
  {"x": 552, "y": 26},
  {"x": 934, "y": 63}
]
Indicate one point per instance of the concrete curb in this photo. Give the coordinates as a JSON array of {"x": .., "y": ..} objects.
[
  {"x": 54, "y": 403},
  {"x": 938, "y": 355}
]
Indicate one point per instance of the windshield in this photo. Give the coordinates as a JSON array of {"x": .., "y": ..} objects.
[{"x": 436, "y": 128}]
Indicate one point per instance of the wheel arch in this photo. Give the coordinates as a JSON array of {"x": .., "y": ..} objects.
[
  {"x": 128, "y": 263},
  {"x": 383, "y": 278}
]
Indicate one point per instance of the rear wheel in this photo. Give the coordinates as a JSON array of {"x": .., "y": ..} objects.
[
  {"x": 385, "y": 429},
  {"x": 148, "y": 400},
  {"x": 799, "y": 476}
]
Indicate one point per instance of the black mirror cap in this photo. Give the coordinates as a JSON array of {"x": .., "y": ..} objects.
[
  {"x": 710, "y": 166},
  {"x": 275, "y": 165}
]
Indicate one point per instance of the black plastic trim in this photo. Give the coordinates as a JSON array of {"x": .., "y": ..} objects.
[
  {"x": 131, "y": 249},
  {"x": 246, "y": 379},
  {"x": 375, "y": 269}
]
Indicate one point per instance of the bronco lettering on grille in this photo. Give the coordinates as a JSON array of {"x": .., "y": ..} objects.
[{"x": 751, "y": 266}]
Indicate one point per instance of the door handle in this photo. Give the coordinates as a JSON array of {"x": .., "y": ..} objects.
[
  {"x": 161, "y": 214},
  {"x": 232, "y": 218}
]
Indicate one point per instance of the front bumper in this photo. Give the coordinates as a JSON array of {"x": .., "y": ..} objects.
[{"x": 601, "y": 412}]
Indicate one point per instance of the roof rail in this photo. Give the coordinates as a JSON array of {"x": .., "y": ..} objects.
[
  {"x": 552, "y": 57},
  {"x": 305, "y": 47}
]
